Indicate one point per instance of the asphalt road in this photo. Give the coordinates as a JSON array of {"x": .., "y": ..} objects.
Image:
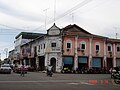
[{"x": 39, "y": 81}]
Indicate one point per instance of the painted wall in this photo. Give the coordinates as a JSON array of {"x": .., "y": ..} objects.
[
  {"x": 99, "y": 42},
  {"x": 71, "y": 51},
  {"x": 87, "y": 47}
]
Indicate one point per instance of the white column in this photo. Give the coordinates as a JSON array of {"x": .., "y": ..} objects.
[
  {"x": 37, "y": 62},
  {"x": 59, "y": 64},
  {"x": 76, "y": 54},
  {"x": 90, "y": 55},
  {"x": 24, "y": 61},
  {"x": 114, "y": 56},
  {"x": 46, "y": 59},
  {"x": 105, "y": 55},
  {"x": 46, "y": 52}
]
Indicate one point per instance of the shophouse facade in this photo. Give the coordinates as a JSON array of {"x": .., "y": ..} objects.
[
  {"x": 82, "y": 49},
  {"x": 44, "y": 50},
  {"x": 53, "y": 54},
  {"x": 71, "y": 47},
  {"x": 21, "y": 39}
]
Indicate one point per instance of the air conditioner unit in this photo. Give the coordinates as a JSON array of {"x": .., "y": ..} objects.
[
  {"x": 68, "y": 49},
  {"x": 97, "y": 51},
  {"x": 110, "y": 52}
]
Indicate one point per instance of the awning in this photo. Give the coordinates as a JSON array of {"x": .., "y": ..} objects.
[
  {"x": 96, "y": 62},
  {"x": 82, "y": 60},
  {"x": 68, "y": 60}
]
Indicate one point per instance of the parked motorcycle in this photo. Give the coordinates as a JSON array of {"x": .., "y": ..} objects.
[
  {"x": 49, "y": 73},
  {"x": 115, "y": 73},
  {"x": 117, "y": 78}
]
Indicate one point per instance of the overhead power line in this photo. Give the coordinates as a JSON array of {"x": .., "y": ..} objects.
[
  {"x": 81, "y": 4},
  {"x": 9, "y": 27},
  {"x": 73, "y": 9},
  {"x": 67, "y": 12}
]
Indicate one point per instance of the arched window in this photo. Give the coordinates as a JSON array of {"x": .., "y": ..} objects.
[
  {"x": 118, "y": 48},
  {"x": 97, "y": 46},
  {"x": 109, "y": 47},
  {"x": 82, "y": 45},
  {"x": 68, "y": 44}
]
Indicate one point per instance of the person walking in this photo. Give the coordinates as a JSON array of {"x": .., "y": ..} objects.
[
  {"x": 22, "y": 70},
  {"x": 49, "y": 70}
]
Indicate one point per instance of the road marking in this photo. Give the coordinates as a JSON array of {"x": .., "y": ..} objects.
[
  {"x": 73, "y": 83},
  {"x": 86, "y": 83},
  {"x": 93, "y": 81},
  {"x": 56, "y": 81}
]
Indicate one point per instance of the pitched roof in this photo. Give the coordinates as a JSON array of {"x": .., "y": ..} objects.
[
  {"x": 28, "y": 35},
  {"x": 98, "y": 36},
  {"x": 113, "y": 40},
  {"x": 74, "y": 25},
  {"x": 79, "y": 31}
]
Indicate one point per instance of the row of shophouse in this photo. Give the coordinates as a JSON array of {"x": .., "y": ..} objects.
[{"x": 71, "y": 47}]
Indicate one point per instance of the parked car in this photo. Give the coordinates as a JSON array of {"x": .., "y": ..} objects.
[
  {"x": 18, "y": 68},
  {"x": 5, "y": 68}
]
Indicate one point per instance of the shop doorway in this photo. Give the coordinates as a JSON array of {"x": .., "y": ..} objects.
[
  {"x": 41, "y": 63},
  {"x": 53, "y": 63},
  {"x": 109, "y": 63}
]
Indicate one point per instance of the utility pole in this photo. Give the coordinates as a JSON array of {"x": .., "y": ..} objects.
[
  {"x": 54, "y": 10},
  {"x": 45, "y": 10},
  {"x": 72, "y": 14},
  {"x": 116, "y": 35}
]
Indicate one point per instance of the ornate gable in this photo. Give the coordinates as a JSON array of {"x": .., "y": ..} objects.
[{"x": 54, "y": 30}]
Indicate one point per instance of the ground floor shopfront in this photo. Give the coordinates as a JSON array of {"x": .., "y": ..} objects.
[
  {"x": 96, "y": 63},
  {"x": 82, "y": 62},
  {"x": 59, "y": 63}
]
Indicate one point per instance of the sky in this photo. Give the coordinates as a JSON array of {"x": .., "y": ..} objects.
[{"x": 100, "y": 17}]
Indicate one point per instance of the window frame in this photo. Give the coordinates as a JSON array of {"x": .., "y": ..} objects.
[
  {"x": 44, "y": 45},
  {"x": 70, "y": 43},
  {"x": 53, "y": 44},
  {"x": 97, "y": 44},
  {"x": 109, "y": 45},
  {"x": 81, "y": 45},
  {"x": 118, "y": 48}
]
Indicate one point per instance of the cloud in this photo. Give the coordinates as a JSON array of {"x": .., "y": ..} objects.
[{"x": 21, "y": 14}]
